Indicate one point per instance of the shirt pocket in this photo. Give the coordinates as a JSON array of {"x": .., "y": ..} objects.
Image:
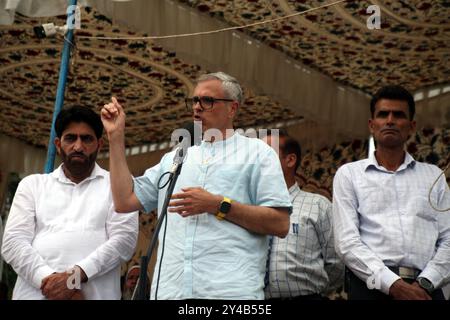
[
  {"x": 423, "y": 209},
  {"x": 231, "y": 181},
  {"x": 372, "y": 200},
  {"x": 425, "y": 225}
]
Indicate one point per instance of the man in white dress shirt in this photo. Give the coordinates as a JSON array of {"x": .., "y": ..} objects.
[
  {"x": 63, "y": 236},
  {"x": 395, "y": 245}
]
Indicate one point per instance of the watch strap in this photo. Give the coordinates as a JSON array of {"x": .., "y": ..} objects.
[{"x": 223, "y": 213}]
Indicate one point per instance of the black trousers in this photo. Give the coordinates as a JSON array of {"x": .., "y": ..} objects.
[{"x": 357, "y": 289}]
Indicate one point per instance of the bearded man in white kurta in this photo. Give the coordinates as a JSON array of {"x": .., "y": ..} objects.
[{"x": 63, "y": 236}]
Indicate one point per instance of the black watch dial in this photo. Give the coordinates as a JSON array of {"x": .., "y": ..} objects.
[
  {"x": 426, "y": 284},
  {"x": 225, "y": 207}
]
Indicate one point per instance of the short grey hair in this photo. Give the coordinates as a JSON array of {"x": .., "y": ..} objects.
[{"x": 230, "y": 85}]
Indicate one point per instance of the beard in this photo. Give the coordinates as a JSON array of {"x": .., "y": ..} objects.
[{"x": 78, "y": 164}]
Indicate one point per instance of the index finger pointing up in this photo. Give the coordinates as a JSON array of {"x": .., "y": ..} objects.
[{"x": 116, "y": 103}]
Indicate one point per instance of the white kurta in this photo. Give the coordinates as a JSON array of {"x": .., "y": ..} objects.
[{"x": 55, "y": 224}]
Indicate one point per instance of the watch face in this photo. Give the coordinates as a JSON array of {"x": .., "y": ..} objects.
[
  {"x": 426, "y": 284},
  {"x": 225, "y": 207}
]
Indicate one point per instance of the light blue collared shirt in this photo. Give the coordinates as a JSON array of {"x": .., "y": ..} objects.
[
  {"x": 383, "y": 218},
  {"x": 205, "y": 258}
]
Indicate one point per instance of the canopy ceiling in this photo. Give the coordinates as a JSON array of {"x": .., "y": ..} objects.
[
  {"x": 150, "y": 82},
  {"x": 412, "y": 47},
  {"x": 316, "y": 68}
]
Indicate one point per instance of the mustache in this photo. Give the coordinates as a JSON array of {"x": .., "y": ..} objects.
[{"x": 77, "y": 154}]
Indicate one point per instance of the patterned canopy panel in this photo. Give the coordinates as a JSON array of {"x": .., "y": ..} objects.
[
  {"x": 412, "y": 47},
  {"x": 149, "y": 81}
]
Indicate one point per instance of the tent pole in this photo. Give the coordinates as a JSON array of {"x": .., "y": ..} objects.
[{"x": 59, "y": 101}]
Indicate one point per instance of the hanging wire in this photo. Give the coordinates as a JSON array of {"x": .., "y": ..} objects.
[
  {"x": 219, "y": 30},
  {"x": 431, "y": 189}
]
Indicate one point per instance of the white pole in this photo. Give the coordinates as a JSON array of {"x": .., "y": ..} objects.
[{"x": 371, "y": 145}]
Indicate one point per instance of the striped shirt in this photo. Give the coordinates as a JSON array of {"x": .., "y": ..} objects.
[
  {"x": 383, "y": 218},
  {"x": 305, "y": 261}
]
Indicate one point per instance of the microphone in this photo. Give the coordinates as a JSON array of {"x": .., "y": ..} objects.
[{"x": 187, "y": 136}]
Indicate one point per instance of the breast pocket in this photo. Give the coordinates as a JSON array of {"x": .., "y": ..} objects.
[
  {"x": 372, "y": 201},
  {"x": 229, "y": 181},
  {"x": 423, "y": 209},
  {"x": 425, "y": 223}
]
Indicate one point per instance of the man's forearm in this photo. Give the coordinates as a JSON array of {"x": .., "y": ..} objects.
[
  {"x": 121, "y": 180},
  {"x": 259, "y": 219}
]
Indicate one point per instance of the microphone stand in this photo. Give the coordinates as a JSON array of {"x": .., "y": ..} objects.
[{"x": 140, "y": 290}]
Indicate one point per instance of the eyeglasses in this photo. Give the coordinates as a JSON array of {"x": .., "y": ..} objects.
[
  {"x": 86, "y": 139},
  {"x": 206, "y": 103}
]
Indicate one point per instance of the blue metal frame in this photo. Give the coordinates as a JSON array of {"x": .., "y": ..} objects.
[{"x": 59, "y": 101}]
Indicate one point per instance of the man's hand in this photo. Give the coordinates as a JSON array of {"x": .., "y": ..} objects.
[
  {"x": 78, "y": 295},
  {"x": 401, "y": 290},
  {"x": 113, "y": 118},
  {"x": 54, "y": 287},
  {"x": 194, "y": 200}
]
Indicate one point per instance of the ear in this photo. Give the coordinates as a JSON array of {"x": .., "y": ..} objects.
[
  {"x": 101, "y": 142},
  {"x": 57, "y": 143},
  {"x": 412, "y": 128},
  {"x": 234, "y": 106},
  {"x": 291, "y": 159},
  {"x": 371, "y": 126}
]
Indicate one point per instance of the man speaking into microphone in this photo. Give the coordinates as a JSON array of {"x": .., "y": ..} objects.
[{"x": 230, "y": 195}]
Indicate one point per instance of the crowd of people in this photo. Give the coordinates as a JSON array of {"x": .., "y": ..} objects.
[{"x": 238, "y": 225}]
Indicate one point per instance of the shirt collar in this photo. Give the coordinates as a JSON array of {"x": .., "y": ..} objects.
[
  {"x": 220, "y": 143},
  {"x": 59, "y": 174},
  {"x": 294, "y": 188},
  {"x": 372, "y": 162}
]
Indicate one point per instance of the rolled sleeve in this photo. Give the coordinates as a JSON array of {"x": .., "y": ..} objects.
[
  {"x": 268, "y": 184},
  {"x": 146, "y": 188}
]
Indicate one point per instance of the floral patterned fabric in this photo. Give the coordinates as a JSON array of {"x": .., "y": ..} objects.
[
  {"x": 149, "y": 81},
  {"x": 337, "y": 41}
]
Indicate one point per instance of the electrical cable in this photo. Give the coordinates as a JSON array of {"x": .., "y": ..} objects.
[
  {"x": 431, "y": 189},
  {"x": 218, "y": 30}
]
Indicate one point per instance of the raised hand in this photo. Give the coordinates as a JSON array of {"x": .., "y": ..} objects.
[{"x": 113, "y": 118}]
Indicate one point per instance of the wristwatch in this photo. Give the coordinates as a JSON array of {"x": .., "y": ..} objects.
[
  {"x": 224, "y": 208},
  {"x": 425, "y": 284}
]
